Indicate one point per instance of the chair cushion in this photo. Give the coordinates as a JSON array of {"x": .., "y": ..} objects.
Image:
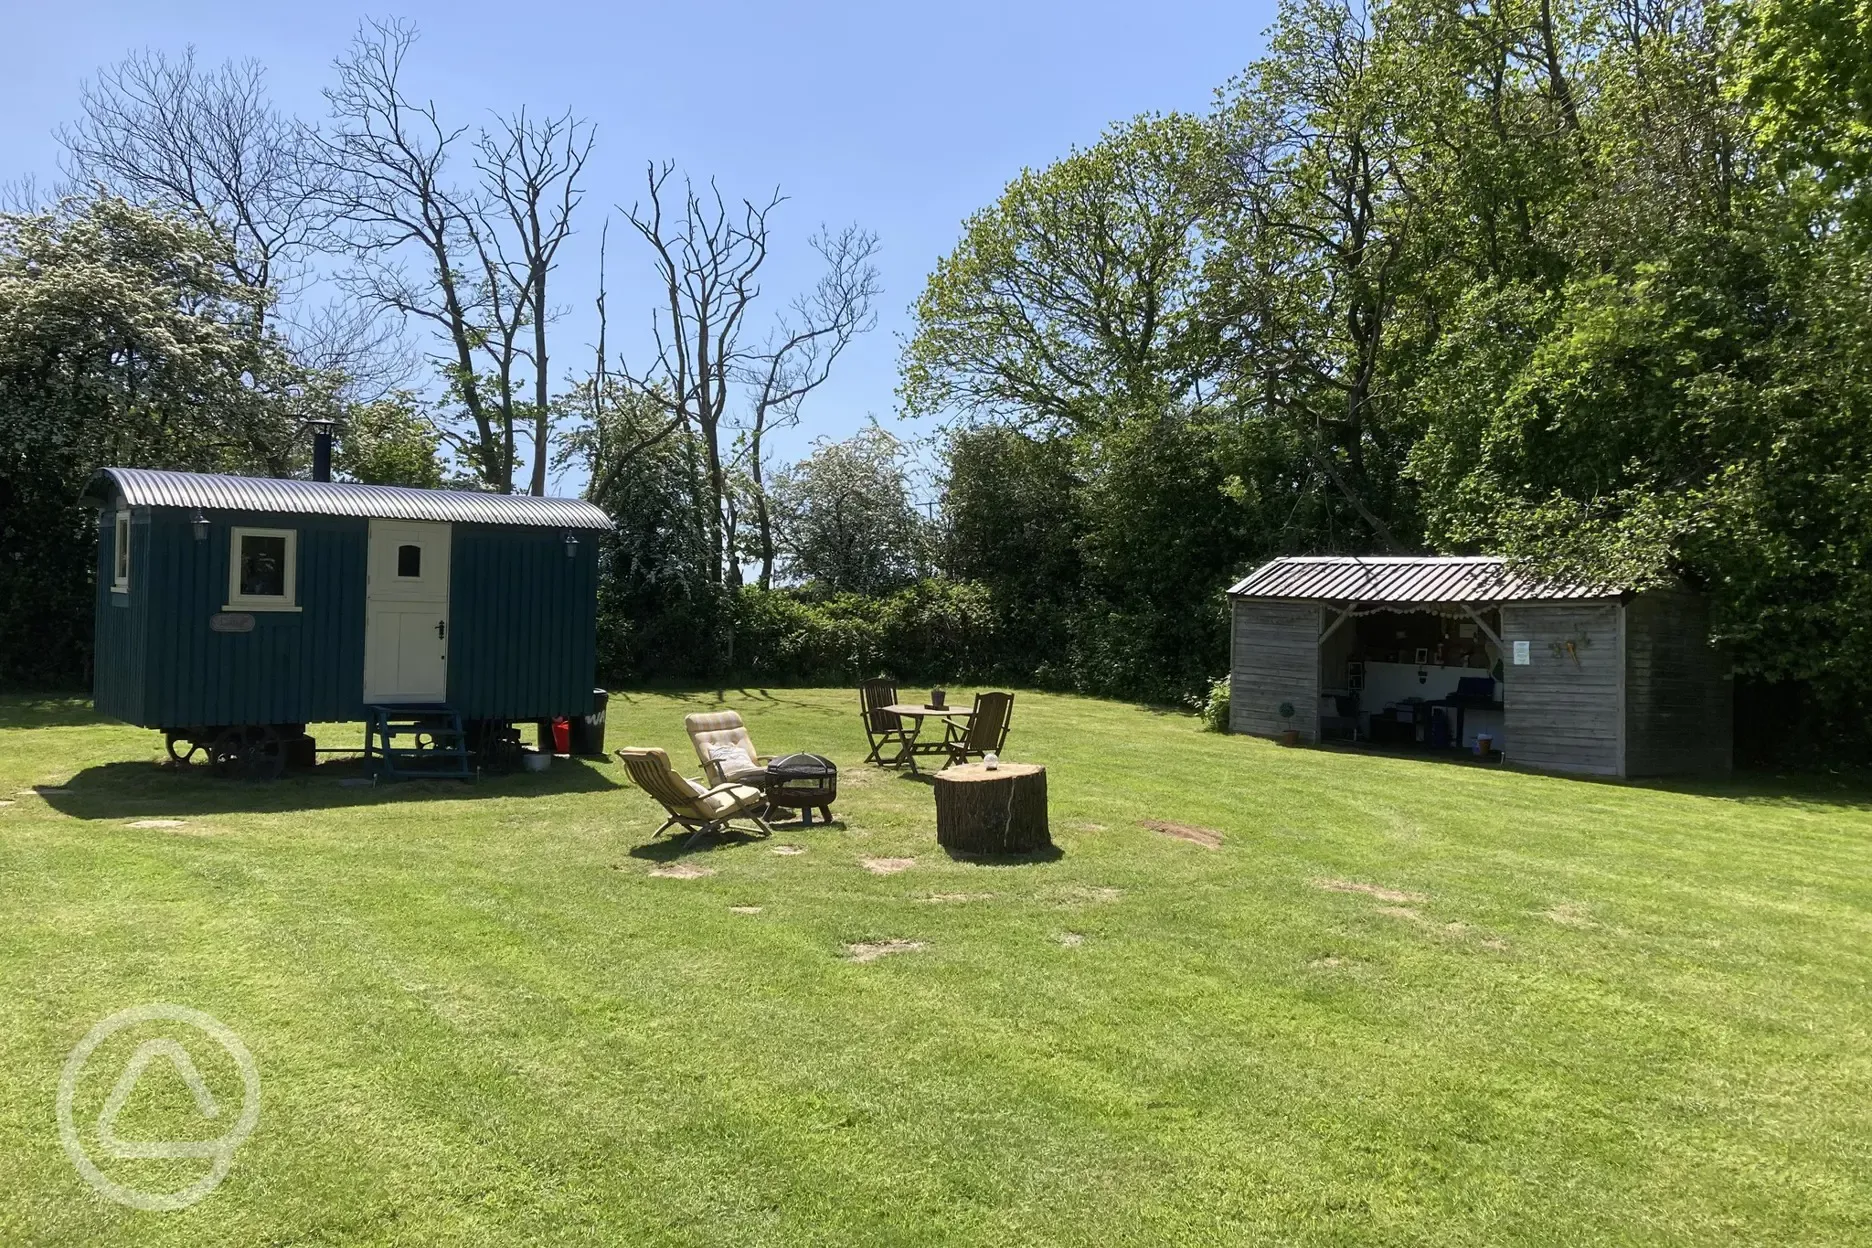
[
  {"x": 730, "y": 759},
  {"x": 731, "y": 800},
  {"x": 712, "y": 731}
]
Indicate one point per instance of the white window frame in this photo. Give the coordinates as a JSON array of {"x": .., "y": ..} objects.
[
  {"x": 237, "y": 601},
  {"x": 120, "y": 553}
]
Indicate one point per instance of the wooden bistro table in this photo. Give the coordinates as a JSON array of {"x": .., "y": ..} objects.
[
  {"x": 1003, "y": 811},
  {"x": 916, "y": 713}
]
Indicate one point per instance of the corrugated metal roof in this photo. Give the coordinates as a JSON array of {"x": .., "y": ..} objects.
[
  {"x": 1405, "y": 578},
  {"x": 140, "y": 487}
]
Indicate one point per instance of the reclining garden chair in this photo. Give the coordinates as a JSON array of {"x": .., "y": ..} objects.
[
  {"x": 700, "y": 810},
  {"x": 882, "y": 727},
  {"x": 721, "y": 740},
  {"x": 986, "y": 730}
]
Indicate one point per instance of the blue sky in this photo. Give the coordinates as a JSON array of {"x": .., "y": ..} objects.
[{"x": 904, "y": 118}]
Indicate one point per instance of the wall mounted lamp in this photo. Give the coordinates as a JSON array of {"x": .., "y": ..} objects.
[{"x": 199, "y": 523}]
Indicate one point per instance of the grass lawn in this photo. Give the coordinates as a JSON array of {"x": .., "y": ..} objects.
[{"x": 1401, "y": 1003}]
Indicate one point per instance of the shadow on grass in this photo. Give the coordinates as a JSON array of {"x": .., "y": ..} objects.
[
  {"x": 47, "y": 711},
  {"x": 1847, "y": 791},
  {"x": 137, "y": 790},
  {"x": 1035, "y": 858},
  {"x": 670, "y": 848}
]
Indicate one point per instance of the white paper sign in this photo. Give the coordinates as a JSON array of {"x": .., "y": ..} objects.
[{"x": 1521, "y": 656}]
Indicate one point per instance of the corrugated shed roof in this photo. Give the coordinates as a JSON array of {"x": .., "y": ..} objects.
[
  {"x": 140, "y": 487},
  {"x": 1405, "y": 578}
]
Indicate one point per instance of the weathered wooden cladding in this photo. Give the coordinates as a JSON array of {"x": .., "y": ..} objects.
[
  {"x": 1276, "y": 660},
  {"x": 1563, "y": 707}
]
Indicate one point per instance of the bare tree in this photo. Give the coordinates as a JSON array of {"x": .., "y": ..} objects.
[
  {"x": 27, "y": 195},
  {"x": 531, "y": 169},
  {"x": 799, "y": 355},
  {"x": 707, "y": 257},
  {"x": 209, "y": 141},
  {"x": 607, "y": 447},
  {"x": 384, "y": 161},
  {"x": 472, "y": 262}
]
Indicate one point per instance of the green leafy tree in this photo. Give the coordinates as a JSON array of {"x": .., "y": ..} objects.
[
  {"x": 661, "y": 614},
  {"x": 1073, "y": 299},
  {"x": 1806, "y": 68},
  {"x": 123, "y": 340},
  {"x": 844, "y": 517},
  {"x": 389, "y": 442}
]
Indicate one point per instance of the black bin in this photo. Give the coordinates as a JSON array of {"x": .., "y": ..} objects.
[{"x": 587, "y": 736}]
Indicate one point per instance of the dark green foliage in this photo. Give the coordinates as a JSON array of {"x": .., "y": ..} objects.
[
  {"x": 659, "y": 614},
  {"x": 933, "y": 630},
  {"x": 1012, "y": 523}
]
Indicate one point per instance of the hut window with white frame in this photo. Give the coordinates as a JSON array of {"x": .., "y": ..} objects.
[
  {"x": 120, "y": 554},
  {"x": 263, "y": 570}
]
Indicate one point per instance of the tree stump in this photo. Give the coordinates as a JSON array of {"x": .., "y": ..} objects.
[{"x": 992, "y": 812}]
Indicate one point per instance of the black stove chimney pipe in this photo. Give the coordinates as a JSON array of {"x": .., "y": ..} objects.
[{"x": 321, "y": 450}]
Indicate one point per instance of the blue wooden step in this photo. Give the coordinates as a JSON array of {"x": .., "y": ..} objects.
[{"x": 439, "y": 749}]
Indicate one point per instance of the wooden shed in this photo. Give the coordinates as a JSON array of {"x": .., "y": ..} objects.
[
  {"x": 1452, "y": 652},
  {"x": 233, "y": 611}
]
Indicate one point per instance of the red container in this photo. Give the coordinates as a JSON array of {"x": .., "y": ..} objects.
[{"x": 562, "y": 735}]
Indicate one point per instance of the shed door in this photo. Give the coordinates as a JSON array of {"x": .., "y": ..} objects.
[{"x": 406, "y": 612}]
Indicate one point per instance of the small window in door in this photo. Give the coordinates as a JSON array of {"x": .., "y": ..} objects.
[
  {"x": 120, "y": 554},
  {"x": 409, "y": 562}
]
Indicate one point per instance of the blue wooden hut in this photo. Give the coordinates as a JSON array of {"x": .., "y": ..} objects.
[{"x": 233, "y": 611}]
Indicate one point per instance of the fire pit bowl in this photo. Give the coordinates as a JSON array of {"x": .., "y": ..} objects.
[{"x": 803, "y": 782}]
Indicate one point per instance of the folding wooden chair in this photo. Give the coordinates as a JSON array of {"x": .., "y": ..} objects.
[
  {"x": 882, "y": 727},
  {"x": 700, "y": 810},
  {"x": 986, "y": 731}
]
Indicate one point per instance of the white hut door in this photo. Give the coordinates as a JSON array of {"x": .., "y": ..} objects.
[{"x": 406, "y": 612}]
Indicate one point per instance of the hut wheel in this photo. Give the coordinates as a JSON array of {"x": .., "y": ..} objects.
[
  {"x": 252, "y": 752},
  {"x": 182, "y": 758}
]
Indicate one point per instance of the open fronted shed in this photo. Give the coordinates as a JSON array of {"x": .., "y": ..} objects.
[{"x": 1444, "y": 652}]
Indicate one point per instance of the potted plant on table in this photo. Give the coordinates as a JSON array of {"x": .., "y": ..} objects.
[{"x": 1289, "y": 735}]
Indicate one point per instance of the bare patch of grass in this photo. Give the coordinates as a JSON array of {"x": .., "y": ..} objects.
[
  {"x": 682, "y": 871},
  {"x": 886, "y": 866},
  {"x": 1208, "y": 838},
  {"x": 1072, "y": 940},
  {"x": 1395, "y": 895},
  {"x": 872, "y": 950},
  {"x": 789, "y": 849},
  {"x": 952, "y": 897},
  {"x": 1569, "y": 914},
  {"x": 158, "y": 823},
  {"x": 744, "y": 909},
  {"x": 1085, "y": 894}
]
